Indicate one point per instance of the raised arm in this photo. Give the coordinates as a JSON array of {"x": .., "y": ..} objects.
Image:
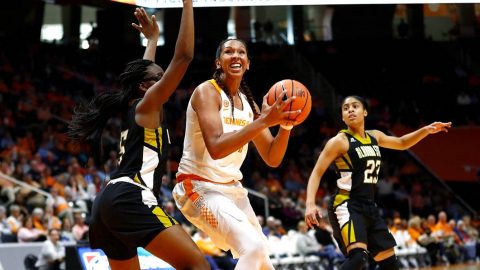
[
  {"x": 206, "y": 103},
  {"x": 410, "y": 139},
  {"x": 149, "y": 28},
  {"x": 159, "y": 93},
  {"x": 333, "y": 149}
]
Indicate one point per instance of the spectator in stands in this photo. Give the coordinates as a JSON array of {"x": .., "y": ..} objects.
[
  {"x": 442, "y": 227},
  {"x": 28, "y": 233},
  {"x": 468, "y": 239},
  {"x": 357, "y": 159},
  {"x": 222, "y": 118},
  {"x": 52, "y": 255},
  {"x": 127, "y": 214},
  {"x": 66, "y": 234},
  {"x": 307, "y": 245},
  {"x": 37, "y": 218},
  {"x": 80, "y": 229},
  {"x": 469, "y": 228},
  {"x": 59, "y": 203},
  {"x": 52, "y": 221},
  {"x": 270, "y": 227},
  {"x": 430, "y": 223},
  {"x": 414, "y": 228},
  {"x": 32, "y": 199},
  {"x": 14, "y": 221},
  {"x": 5, "y": 232}
]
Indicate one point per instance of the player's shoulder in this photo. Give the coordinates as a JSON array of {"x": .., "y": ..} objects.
[
  {"x": 206, "y": 92},
  {"x": 339, "y": 141},
  {"x": 340, "y": 137},
  {"x": 207, "y": 87},
  {"x": 374, "y": 133}
]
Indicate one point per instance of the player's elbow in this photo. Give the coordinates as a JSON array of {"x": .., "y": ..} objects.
[
  {"x": 273, "y": 163},
  {"x": 215, "y": 155}
]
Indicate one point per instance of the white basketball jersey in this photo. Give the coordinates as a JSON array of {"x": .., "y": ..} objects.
[{"x": 196, "y": 159}]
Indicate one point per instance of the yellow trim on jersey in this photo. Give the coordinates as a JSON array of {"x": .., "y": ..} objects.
[
  {"x": 349, "y": 161},
  {"x": 340, "y": 198},
  {"x": 348, "y": 233},
  {"x": 215, "y": 84},
  {"x": 137, "y": 179},
  {"x": 344, "y": 162},
  {"x": 366, "y": 140},
  {"x": 150, "y": 137},
  {"x": 163, "y": 217}
]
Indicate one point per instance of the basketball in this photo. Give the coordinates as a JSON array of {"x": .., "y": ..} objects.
[{"x": 303, "y": 100}]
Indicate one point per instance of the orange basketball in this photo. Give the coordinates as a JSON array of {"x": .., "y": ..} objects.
[{"x": 303, "y": 100}]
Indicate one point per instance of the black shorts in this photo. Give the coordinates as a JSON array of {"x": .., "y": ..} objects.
[
  {"x": 354, "y": 221},
  {"x": 121, "y": 221}
]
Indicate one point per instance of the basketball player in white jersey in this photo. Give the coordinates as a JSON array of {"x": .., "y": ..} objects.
[{"x": 222, "y": 119}]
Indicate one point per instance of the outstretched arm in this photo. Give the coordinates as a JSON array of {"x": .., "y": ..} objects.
[
  {"x": 159, "y": 93},
  {"x": 333, "y": 149},
  {"x": 410, "y": 139},
  {"x": 149, "y": 28}
]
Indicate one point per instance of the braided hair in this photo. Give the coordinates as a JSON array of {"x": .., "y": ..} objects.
[
  {"x": 89, "y": 119},
  {"x": 244, "y": 88}
]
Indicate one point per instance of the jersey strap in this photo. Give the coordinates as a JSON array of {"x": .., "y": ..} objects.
[{"x": 215, "y": 84}]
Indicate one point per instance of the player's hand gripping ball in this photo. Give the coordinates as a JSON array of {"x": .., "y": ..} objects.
[{"x": 303, "y": 100}]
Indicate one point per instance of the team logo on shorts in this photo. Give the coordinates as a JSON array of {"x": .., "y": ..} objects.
[{"x": 199, "y": 203}]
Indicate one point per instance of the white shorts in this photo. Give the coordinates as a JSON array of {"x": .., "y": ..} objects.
[{"x": 222, "y": 211}]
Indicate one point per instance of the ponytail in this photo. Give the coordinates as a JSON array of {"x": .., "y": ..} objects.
[{"x": 89, "y": 119}]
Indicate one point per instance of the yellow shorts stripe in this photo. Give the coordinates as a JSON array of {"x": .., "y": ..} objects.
[{"x": 163, "y": 217}]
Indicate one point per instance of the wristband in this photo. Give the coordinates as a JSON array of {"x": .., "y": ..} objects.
[{"x": 289, "y": 127}]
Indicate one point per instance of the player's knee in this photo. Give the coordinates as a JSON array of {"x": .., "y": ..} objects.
[
  {"x": 356, "y": 259},
  {"x": 390, "y": 263},
  {"x": 255, "y": 248}
]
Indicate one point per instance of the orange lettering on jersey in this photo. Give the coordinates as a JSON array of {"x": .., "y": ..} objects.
[{"x": 236, "y": 122}]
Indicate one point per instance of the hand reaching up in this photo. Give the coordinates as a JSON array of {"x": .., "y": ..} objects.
[{"x": 146, "y": 25}]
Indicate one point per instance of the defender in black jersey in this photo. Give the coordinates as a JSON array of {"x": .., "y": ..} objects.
[
  {"x": 354, "y": 216},
  {"x": 126, "y": 214}
]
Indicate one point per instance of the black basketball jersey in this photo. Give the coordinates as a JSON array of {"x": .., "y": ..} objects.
[
  {"x": 358, "y": 168},
  {"x": 143, "y": 152}
]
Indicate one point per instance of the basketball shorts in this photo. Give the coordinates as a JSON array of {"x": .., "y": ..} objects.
[
  {"x": 354, "y": 221},
  {"x": 222, "y": 211},
  {"x": 125, "y": 216}
]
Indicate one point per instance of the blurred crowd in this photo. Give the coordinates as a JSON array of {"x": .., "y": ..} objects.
[{"x": 40, "y": 86}]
